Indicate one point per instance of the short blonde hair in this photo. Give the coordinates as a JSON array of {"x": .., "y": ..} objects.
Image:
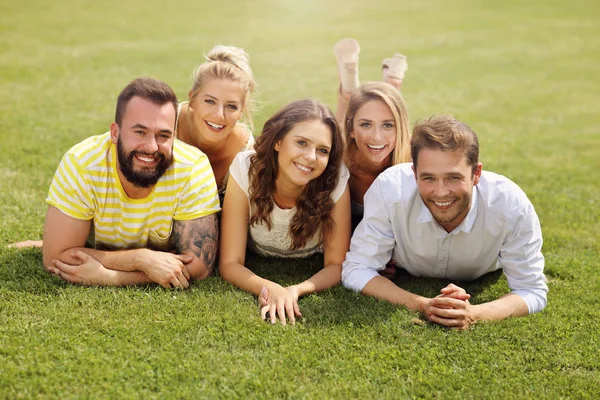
[
  {"x": 393, "y": 99},
  {"x": 231, "y": 63}
]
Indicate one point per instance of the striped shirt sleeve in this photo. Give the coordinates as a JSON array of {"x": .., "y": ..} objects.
[
  {"x": 69, "y": 191},
  {"x": 199, "y": 196}
]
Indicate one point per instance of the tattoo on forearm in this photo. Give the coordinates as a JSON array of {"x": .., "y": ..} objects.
[{"x": 200, "y": 236}]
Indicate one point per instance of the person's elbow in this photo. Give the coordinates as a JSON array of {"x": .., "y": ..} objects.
[
  {"x": 47, "y": 257},
  {"x": 535, "y": 299},
  {"x": 538, "y": 301},
  {"x": 348, "y": 276},
  {"x": 227, "y": 269},
  {"x": 50, "y": 254}
]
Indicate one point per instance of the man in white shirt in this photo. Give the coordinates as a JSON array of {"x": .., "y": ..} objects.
[{"x": 444, "y": 217}]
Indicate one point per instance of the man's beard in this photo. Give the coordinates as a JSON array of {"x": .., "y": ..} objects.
[
  {"x": 459, "y": 210},
  {"x": 143, "y": 178}
]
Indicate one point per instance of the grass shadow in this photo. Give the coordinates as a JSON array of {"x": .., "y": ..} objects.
[{"x": 430, "y": 287}]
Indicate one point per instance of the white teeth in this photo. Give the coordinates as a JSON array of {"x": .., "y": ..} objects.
[
  {"x": 372, "y": 146},
  {"x": 303, "y": 168},
  {"x": 146, "y": 159},
  {"x": 444, "y": 204},
  {"x": 216, "y": 126}
]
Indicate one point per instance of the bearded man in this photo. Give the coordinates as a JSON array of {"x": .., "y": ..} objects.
[{"x": 134, "y": 205}]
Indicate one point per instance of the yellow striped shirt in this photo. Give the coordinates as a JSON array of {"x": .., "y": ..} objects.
[{"x": 86, "y": 187}]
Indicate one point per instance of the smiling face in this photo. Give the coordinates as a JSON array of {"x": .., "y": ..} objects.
[
  {"x": 303, "y": 153},
  {"x": 144, "y": 142},
  {"x": 216, "y": 108},
  {"x": 374, "y": 131},
  {"x": 445, "y": 181}
]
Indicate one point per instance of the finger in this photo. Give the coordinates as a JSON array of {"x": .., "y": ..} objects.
[
  {"x": 52, "y": 269},
  {"x": 263, "y": 311},
  {"x": 297, "y": 310},
  {"x": 186, "y": 273},
  {"x": 445, "y": 321},
  {"x": 289, "y": 309},
  {"x": 261, "y": 302},
  {"x": 65, "y": 276},
  {"x": 83, "y": 256},
  {"x": 455, "y": 295},
  {"x": 281, "y": 312},
  {"x": 164, "y": 283},
  {"x": 175, "y": 283},
  {"x": 185, "y": 258},
  {"x": 272, "y": 313},
  {"x": 460, "y": 295},
  {"x": 182, "y": 279},
  {"x": 448, "y": 313},
  {"x": 67, "y": 268},
  {"x": 453, "y": 288},
  {"x": 444, "y": 302},
  {"x": 264, "y": 293}
]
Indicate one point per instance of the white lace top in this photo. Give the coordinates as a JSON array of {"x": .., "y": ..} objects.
[{"x": 276, "y": 242}]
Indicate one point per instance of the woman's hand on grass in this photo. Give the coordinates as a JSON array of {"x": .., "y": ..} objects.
[{"x": 278, "y": 301}]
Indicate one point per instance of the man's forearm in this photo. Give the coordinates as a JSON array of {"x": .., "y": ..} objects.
[
  {"x": 509, "y": 305},
  {"x": 198, "y": 238},
  {"x": 384, "y": 289},
  {"x": 123, "y": 278},
  {"x": 134, "y": 260}
]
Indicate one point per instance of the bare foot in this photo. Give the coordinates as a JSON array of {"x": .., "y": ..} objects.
[
  {"x": 26, "y": 244},
  {"x": 346, "y": 53},
  {"x": 394, "y": 69}
]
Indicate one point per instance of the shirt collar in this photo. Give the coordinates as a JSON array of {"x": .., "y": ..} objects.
[{"x": 467, "y": 224}]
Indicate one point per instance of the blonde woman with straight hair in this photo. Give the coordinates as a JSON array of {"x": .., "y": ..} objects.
[
  {"x": 217, "y": 119},
  {"x": 377, "y": 136},
  {"x": 374, "y": 119}
]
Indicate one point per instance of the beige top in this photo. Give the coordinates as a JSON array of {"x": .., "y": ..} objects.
[{"x": 276, "y": 242}]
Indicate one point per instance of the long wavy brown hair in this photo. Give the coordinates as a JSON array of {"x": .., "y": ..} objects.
[{"x": 314, "y": 205}]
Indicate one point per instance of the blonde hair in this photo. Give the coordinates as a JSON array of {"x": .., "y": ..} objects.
[
  {"x": 393, "y": 99},
  {"x": 231, "y": 63}
]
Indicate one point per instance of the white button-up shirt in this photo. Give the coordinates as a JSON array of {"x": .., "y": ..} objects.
[{"x": 501, "y": 230}]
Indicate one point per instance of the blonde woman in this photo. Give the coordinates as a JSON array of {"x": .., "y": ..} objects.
[
  {"x": 374, "y": 119},
  {"x": 217, "y": 119}
]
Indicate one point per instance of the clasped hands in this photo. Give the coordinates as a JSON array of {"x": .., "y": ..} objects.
[
  {"x": 278, "y": 301},
  {"x": 451, "y": 308},
  {"x": 166, "y": 269}
]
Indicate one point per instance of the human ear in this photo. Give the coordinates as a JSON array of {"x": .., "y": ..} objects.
[
  {"x": 114, "y": 132},
  {"x": 277, "y": 145},
  {"x": 477, "y": 173}
]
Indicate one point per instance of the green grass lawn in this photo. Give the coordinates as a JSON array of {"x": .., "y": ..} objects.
[{"x": 523, "y": 74}]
